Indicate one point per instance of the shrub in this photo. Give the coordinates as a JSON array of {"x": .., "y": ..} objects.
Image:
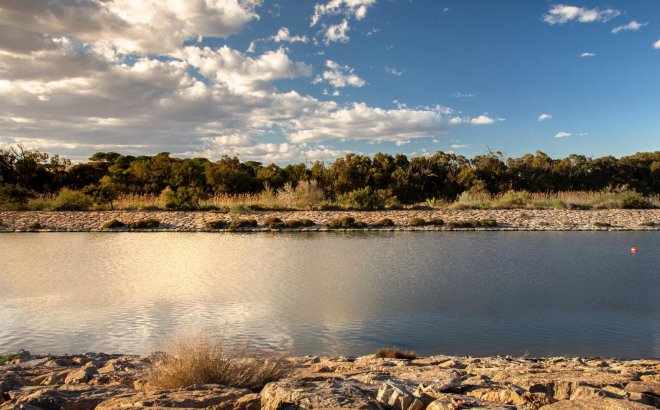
[
  {"x": 244, "y": 223},
  {"x": 200, "y": 359},
  {"x": 366, "y": 199},
  {"x": 14, "y": 195},
  {"x": 393, "y": 353},
  {"x": 436, "y": 222},
  {"x": 35, "y": 225},
  {"x": 417, "y": 222},
  {"x": 241, "y": 210},
  {"x": 293, "y": 224},
  {"x": 345, "y": 222},
  {"x": 327, "y": 206},
  {"x": 473, "y": 223},
  {"x": 183, "y": 199},
  {"x": 144, "y": 224},
  {"x": 384, "y": 222},
  {"x": 635, "y": 201},
  {"x": 649, "y": 223},
  {"x": 602, "y": 224},
  {"x": 102, "y": 193},
  {"x": 307, "y": 222},
  {"x": 69, "y": 200},
  {"x": 274, "y": 223},
  {"x": 8, "y": 357},
  {"x": 219, "y": 224},
  {"x": 113, "y": 224}
]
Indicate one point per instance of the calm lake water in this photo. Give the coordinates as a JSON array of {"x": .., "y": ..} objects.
[{"x": 545, "y": 293}]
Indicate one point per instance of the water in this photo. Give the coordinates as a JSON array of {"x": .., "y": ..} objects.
[{"x": 467, "y": 293}]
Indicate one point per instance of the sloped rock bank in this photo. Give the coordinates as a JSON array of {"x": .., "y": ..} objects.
[
  {"x": 103, "y": 381},
  {"x": 507, "y": 219}
]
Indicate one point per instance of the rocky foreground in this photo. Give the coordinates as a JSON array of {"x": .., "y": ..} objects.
[
  {"x": 507, "y": 219},
  {"x": 438, "y": 382}
]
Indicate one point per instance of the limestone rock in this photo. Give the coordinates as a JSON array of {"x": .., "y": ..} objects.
[
  {"x": 81, "y": 375},
  {"x": 316, "y": 394},
  {"x": 596, "y": 404},
  {"x": 644, "y": 387},
  {"x": 200, "y": 396},
  {"x": 457, "y": 401},
  {"x": 447, "y": 381},
  {"x": 68, "y": 397},
  {"x": 397, "y": 397}
]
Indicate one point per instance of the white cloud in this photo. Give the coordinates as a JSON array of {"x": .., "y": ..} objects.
[
  {"x": 632, "y": 26},
  {"x": 349, "y": 8},
  {"x": 458, "y": 146},
  {"x": 393, "y": 71},
  {"x": 339, "y": 76},
  {"x": 462, "y": 95},
  {"x": 544, "y": 117},
  {"x": 337, "y": 33},
  {"x": 483, "y": 119},
  {"x": 283, "y": 35},
  {"x": 148, "y": 26},
  {"x": 563, "y": 134},
  {"x": 562, "y": 13},
  {"x": 372, "y": 32},
  {"x": 656, "y": 45},
  {"x": 587, "y": 54}
]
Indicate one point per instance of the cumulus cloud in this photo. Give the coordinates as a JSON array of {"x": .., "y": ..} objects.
[
  {"x": 339, "y": 76},
  {"x": 563, "y": 13},
  {"x": 587, "y": 54},
  {"x": 349, "y": 8},
  {"x": 563, "y": 134},
  {"x": 283, "y": 36},
  {"x": 656, "y": 45},
  {"x": 148, "y": 26},
  {"x": 393, "y": 71},
  {"x": 544, "y": 117},
  {"x": 458, "y": 146},
  {"x": 483, "y": 119},
  {"x": 632, "y": 26},
  {"x": 337, "y": 33}
]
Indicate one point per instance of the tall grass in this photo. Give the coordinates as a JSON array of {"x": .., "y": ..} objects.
[
  {"x": 308, "y": 197},
  {"x": 198, "y": 358}
]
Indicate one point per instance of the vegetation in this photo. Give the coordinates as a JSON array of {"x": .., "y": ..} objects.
[
  {"x": 201, "y": 359},
  {"x": 393, "y": 353},
  {"x": 473, "y": 223},
  {"x": 145, "y": 224},
  {"x": 242, "y": 223},
  {"x": 8, "y": 357},
  {"x": 602, "y": 224},
  {"x": 114, "y": 224},
  {"x": 347, "y": 222},
  {"x": 35, "y": 180},
  {"x": 219, "y": 224},
  {"x": 386, "y": 222},
  {"x": 35, "y": 226},
  {"x": 417, "y": 222}
]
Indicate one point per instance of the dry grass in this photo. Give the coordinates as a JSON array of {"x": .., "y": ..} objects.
[
  {"x": 393, "y": 353},
  {"x": 201, "y": 359}
]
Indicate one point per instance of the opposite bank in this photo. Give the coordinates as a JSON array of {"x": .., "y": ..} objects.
[{"x": 173, "y": 221}]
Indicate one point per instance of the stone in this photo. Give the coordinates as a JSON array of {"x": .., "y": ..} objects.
[
  {"x": 82, "y": 375},
  {"x": 596, "y": 404},
  {"x": 644, "y": 387},
  {"x": 448, "y": 381},
  {"x": 199, "y": 396},
  {"x": 457, "y": 401},
  {"x": 397, "y": 397},
  {"x": 316, "y": 394},
  {"x": 69, "y": 397}
]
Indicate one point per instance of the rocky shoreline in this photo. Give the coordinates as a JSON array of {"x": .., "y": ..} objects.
[
  {"x": 173, "y": 221},
  {"x": 102, "y": 381}
]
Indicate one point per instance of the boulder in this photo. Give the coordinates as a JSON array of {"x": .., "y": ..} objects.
[
  {"x": 446, "y": 381},
  {"x": 599, "y": 403},
  {"x": 644, "y": 387},
  {"x": 81, "y": 375},
  {"x": 199, "y": 396},
  {"x": 397, "y": 397},
  {"x": 457, "y": 401},
  {"x": 68, "y": 397},
  {"x": 316, "y": 394}
]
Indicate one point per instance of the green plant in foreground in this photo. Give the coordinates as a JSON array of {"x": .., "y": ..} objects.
[
  {"x": 114, "y": 224},
  {"x": 8, "y": 357},
  {"x": 144, "y": 224},
  {"x": 393, "y": 353},
  {"x": 69, "y": 200}
]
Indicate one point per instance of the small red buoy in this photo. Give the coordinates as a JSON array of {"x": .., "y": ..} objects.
[{"x": 633, "y": 249}]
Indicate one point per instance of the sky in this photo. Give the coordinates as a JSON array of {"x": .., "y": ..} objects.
[{"x": 295, "y": 80}]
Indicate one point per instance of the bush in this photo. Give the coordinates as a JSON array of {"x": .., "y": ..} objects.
[
  {"x": 436, "y": 222},
  {"x": 241, "y": 210},
  {"x": 14, "y": 195},
  {"x": 144, "y": 224},
  {"x": 328, "y": 206},
  {"x": 219, "y": 224},
  {"x": 366, "y": 199},
  {"x": 200, "y": 359},
  {"x": 35, "y": 225},
  {"x": 113, "y": 224},
  {"x": 417, "y": 222},
  {"x": 384, "y": 222},
  {"x": 239, "y": 224},
  {"x": 69, "y": 200},
  {"x": 392, "y": 353},
  {"x": 345, "y": 223},
  {"x": 602, "y": 224},
  {"x": 306, "y": 222},
  {"x": 473, "y": 223},
  {"x": 274, "y": 223},
  {"x": 635, "y": 201},
  {"x": 183, "y": 199}
]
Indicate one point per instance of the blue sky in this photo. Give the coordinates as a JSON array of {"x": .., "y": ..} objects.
[{"x": 288, "y": 81}]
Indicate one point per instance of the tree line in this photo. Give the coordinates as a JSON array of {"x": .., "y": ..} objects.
[{"x": 25, "y": 173}]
